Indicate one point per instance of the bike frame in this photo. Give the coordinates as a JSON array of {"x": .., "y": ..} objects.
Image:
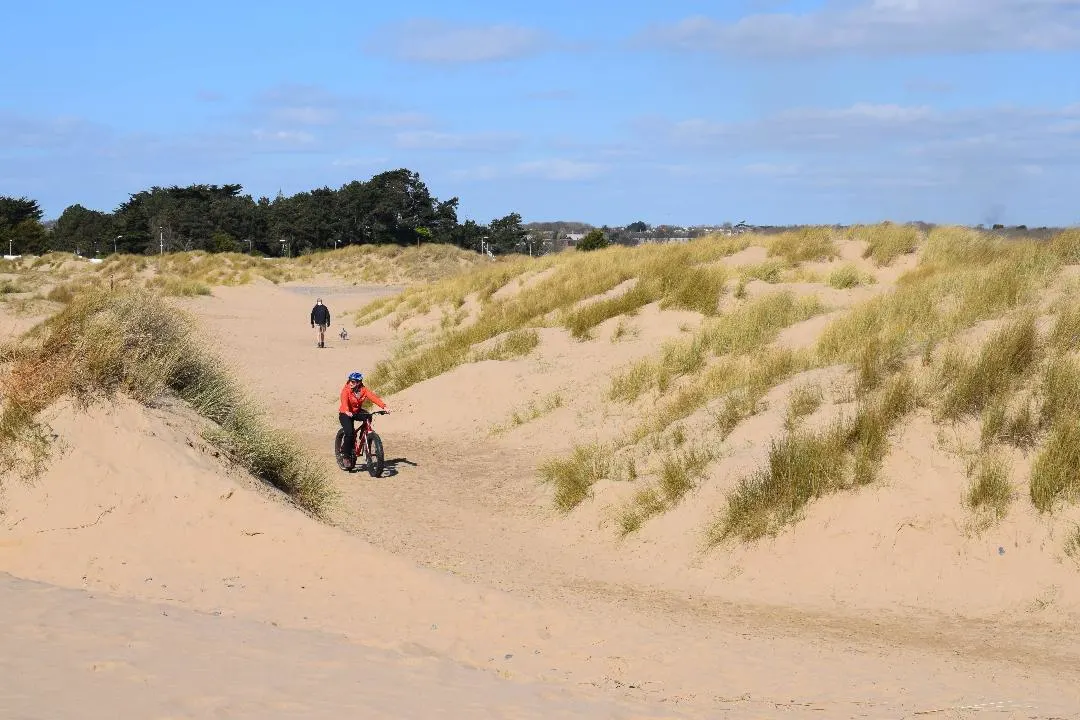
[{"x": 361, "y": 436}]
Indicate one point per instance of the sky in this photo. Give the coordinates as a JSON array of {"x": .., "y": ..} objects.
[{"x": 679, "y": 112}]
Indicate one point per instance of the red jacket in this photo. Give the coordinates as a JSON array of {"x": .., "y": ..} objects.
[{"x": 351, "y": 402}]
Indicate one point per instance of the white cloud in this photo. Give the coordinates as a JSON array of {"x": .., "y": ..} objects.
[
  {"x": 398, "y": 120},
  {"x": 305, "y": 115},
  {"x": 882, "y": 129},
  {"x": 881, "y": 27},
  {"x": 440, "y": 42},
  {"x": 549, "y": 169},
  {"x": 283, "y": 137},
  {"x": 434, "y": 140},
  {"x": 559, "y": 169}
]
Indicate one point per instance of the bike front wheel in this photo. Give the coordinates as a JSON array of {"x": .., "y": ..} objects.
[{"x": 373, "y": 453}]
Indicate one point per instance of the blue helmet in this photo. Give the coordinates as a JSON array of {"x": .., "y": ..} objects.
[{"x": 356, "y": 376}]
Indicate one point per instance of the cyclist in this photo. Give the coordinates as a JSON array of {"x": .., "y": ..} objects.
[
  {"x": 353, "y": 395},
  {"x": 320, "y": 315}
]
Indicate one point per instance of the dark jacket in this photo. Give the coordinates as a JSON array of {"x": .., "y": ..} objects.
[{"x": 320, "y": 315}]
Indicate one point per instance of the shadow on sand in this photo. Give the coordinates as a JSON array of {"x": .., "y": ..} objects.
[{"x": 390, "y": 466}]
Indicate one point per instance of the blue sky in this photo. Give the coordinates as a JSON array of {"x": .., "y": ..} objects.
[{"x": 608, "y": 112}]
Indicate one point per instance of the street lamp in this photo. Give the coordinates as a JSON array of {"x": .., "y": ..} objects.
[
  {"x": 114, "y": 243},
  {"x": 161, "y": 240}
]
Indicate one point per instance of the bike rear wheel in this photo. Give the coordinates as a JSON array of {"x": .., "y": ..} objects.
[
  {"x": 339, "y": 452},
  {"x": 373, "y": 453}
]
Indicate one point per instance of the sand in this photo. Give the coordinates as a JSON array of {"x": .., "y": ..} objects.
[{"x": 148, "y": 579}]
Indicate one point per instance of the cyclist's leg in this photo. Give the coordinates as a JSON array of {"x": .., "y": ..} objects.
[{"x": 349, "y": 443}]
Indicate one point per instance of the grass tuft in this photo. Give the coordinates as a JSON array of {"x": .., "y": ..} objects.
[
  {"x": 990, "y": 493},
  {"x": 804, "y": 400},
  {"x": 573, "y": 477},
  {"x": 518, "y": 343},
  {"x": 680, "y": 472},
  {"x": 1004, "y": 360},
  {"x": 804, "y": 245},
  {"x": 848, "y": 276},
  {"x": 1055, "y": 475},
  {"x": 532, "y": 412},
  {"x": 886, "y": 241}
]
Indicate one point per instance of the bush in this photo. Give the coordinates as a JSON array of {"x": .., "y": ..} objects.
[{"x": 594, "y": 240}]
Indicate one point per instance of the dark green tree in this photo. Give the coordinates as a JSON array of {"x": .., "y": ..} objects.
[
  {"x": 506, "y": 234},
  {"x": 594, "y": 240},
  {"x": 84, "y": 231},
  {"x": 21, "y": 231}
]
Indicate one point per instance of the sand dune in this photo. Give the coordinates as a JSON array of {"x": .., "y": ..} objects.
[{"x": 451, "y": 588}]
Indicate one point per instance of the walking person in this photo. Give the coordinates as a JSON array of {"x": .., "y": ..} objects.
[{"x": 320, "y": 315}]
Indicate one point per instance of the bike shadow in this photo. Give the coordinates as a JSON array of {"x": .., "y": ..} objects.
[{"x": 390, "y": 467}]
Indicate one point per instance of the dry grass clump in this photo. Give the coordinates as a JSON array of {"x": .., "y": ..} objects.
[
  {"x": 804, "y": 245},
  {"x": 848, "y": 276},
  {"x": 1017, "y": 426},
  {"x": 803, "y": 400},
  {"x": 770, "y": 271},
  {"x": 971, "y": 386},
  {"x": 805, "y": 465},
  {"x": 1055, "y": 475},
  {"x": 574, "y": 476},
  {"x": 11, "y": 287},
  {"x": 990, "y": 492},
  {"x": 697, "y": 289},
  {"x": 515, "y": 344},
  {"x": 533, "y": 411},
  {"x": 886, "y": 241},
  {"x": 130, "y": 341},
  {"x": 583, "y": 320},
  {"x": 680, "y": 472}
]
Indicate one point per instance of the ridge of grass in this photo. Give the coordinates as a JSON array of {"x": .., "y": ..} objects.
[
  {"x": 131, "y": 342},
  {"x": 804, "y": 465},
  {"x": 562, "y": 293},
  {"x": 885, "y": 242}
]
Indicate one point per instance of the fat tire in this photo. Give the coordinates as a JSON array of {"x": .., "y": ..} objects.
[
  {"x": 342, "y": 461},
  {"x": 374, "y": 452}
]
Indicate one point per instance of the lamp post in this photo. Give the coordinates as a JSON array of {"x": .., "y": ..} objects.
[
  {"x": 161, "y": 240},
  {"x": 114, "y": 251}
]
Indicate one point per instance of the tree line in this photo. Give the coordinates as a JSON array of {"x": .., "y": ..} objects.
[{"x": 392, "y": 207}]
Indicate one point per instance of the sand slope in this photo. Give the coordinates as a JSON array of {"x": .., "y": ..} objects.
[{"x": 455, "y": 560}]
